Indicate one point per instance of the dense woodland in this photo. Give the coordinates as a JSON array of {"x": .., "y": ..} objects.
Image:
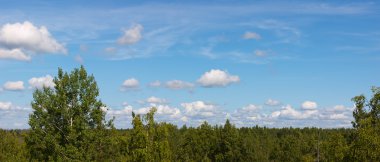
[{"x": 68, "y": 124}]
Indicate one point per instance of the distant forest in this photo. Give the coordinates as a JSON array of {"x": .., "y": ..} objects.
[{"x": 68, "y": 124}]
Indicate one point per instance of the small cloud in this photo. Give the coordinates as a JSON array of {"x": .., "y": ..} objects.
[
  {"x": 199, "y": 108},
  {"x": 260, "y": 53},
  {"x": 272, "y": 102},
  {"x": 207, "y": 51},
  {"x": 217, "y": 78},
  {"x": 130, "y": 84},
  {"x": 14, "y": 86},
  {"x": 251, "y": 35},
  {"x": 185, "y": 119},
  {"x": 83, "y": 48},
  {"x": 309, "y": 105},
  {"x": 15, "y": 54},
  {"x": 155, "y": 84},
  {"x": 155, "y": 100},
  {"x": 338, "y": 117},
  {"x": 251, "y": 107},
  {"x": 178, "y": 84},
  {"x": 78, "y": 59},
  {"x": 40, "y": 82},
  {"x": 110, "y": 50},
  {"x": 5, "y": 105},
  {"x": 131, "y": 35},
  {"x": 339, "y": 108}
]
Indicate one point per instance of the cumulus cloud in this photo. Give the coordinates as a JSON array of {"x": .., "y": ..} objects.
[
  {"x": 5, "y": 105},
  {"x": 20, "y": 40},
  {"x": 179, "y": 84},
  {"x": 83, "y": 47},
  {"x": 272, "y": 102},
  {"x": 167, "y": 110},
  {"x": 288, "y": 112},
  {"x": 110, "y": 50},
  {"x": 217, "y": 78},
  {"x": 260, "y": 53},
  {"x": 251, "y": 35},
  {"x": 40, "y": 82},
  {"x": 251, "y": 107},
  {"x": 14, "y": 86},
  {"x": 15, "y": 54},
  {"x": 309, "y": 105},
  {"x": 130, "y": 84},
  {"x": 338, "y": 117},
  {"x": 155, "y": 100},
  {"x": 131, "y": 35},
  {"x": 127, "y": 110},
  {"x": 78, "y": 59},
  {"x": 199, "y": 108},
  {"x": 155, "y": 84},
  {"x": 164, "y": 112}
]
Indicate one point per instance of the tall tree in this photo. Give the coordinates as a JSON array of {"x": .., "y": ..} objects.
[
  {"x": 68, "y": 122},
  {"x": 365, "y": 145}
]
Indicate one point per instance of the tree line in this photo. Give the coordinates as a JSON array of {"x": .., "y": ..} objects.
[{"x": 68, "y": 124}]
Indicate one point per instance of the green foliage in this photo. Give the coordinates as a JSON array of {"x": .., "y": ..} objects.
[
  {"x": 67, "y": 123},
  {"x": 365, "y": 143},
  {"x": 12, "y": 146}
]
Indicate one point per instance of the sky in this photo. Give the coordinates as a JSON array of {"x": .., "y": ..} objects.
[{"x": 266, "y": 63}]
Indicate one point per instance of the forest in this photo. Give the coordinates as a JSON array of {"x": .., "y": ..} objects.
[{"x": 68, "y": 124}]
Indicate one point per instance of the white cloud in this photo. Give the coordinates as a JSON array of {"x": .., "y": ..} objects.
[
  {"x": 251, "y": 35},
  {"x": 40, "y": 82},
  {"x": 5, "y": 105},
  {"x": 130, "y": 84},
  {"x": 199, "y": 108},
  {"x": 178, "y": 84},
  {"x": 309, "y": 105},
  {"x": 272, "y": 102},
  {"x": 166, "y": 110},
  {"x": 78, "y": 59},
  {"x": 155, "y": 100},
  {"x": 127, "y": 110},
  {"x": 110, "y": 50},
  {"x": 251, "y": 107},
  {"x": 288, "y": 112},
  {"x": 155, "y": 84},
  {"x": 338, "y": 117},
  {"x": 131, "y": 35},
  {"x": 185, "y": 119},
  {"x": 260, "y": 53},
  {"x": 162, "y": 111},
  {"x": 340, "y": 108},
  {"x": 217, "y": 78},
  {"x": 22, "y": 39},
  {"x": 254, "y": 117},
  {"x": 14, "y": 86},
  {"x": 83, "y": 47},
  {"x": 15, "y": 54}
]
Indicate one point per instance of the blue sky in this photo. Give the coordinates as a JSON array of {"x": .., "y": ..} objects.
[{"x": 276, "y": 63}]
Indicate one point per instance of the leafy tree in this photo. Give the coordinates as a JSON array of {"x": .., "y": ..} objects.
[
  {"x": 12, "y": 146},
  {"x": 138, "y": 146},
  {"x": 68, "y": 123},
  {"x": 365, "y": 144}
]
